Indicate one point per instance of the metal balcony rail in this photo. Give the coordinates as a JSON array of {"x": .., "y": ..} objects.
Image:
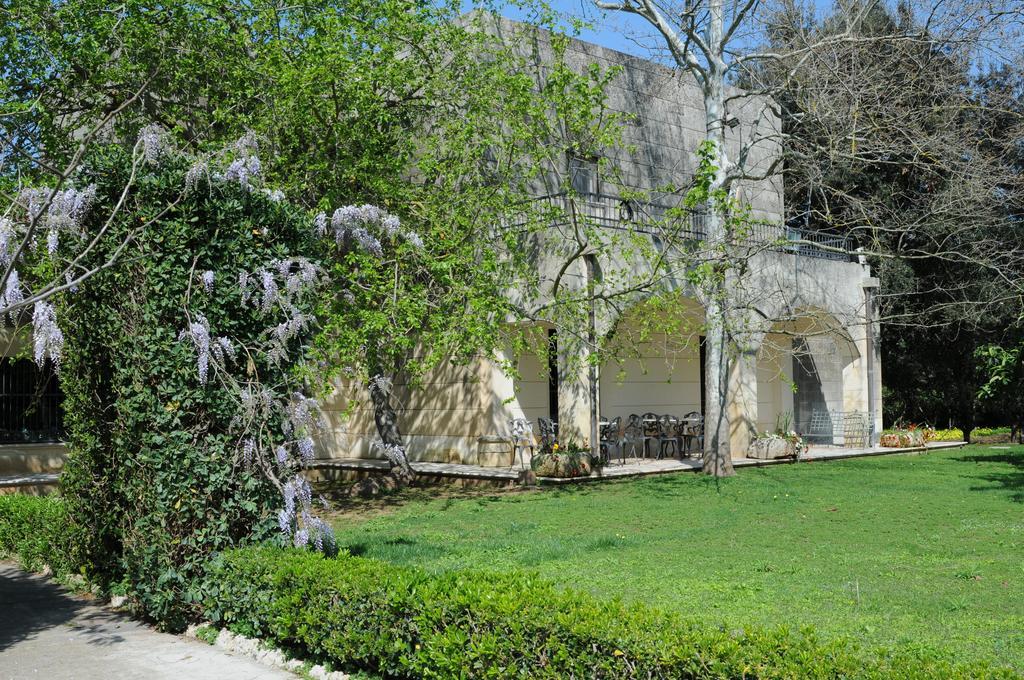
[{"x": 649, "y": 216}]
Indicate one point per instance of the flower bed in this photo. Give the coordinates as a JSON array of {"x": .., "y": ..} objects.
[{"x": 903, "y": 438}]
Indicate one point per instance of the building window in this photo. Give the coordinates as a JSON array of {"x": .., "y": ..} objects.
[
  {"x": 583, "y": 176},
  {"x": 31, "y": 403}
]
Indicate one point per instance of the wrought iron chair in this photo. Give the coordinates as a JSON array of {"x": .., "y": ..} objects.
[
  {"x": 685, "y": 434},
  {"x": 697, "y": 434},
  {"x": 651, "y": 425},
  {"x": 668, "y": 436},
  {"x": 632, "y": 435},
  {"x": 522, "y": 438},
  {"x": 612, "y": 435},
  {"x": 548, "y": 433}
]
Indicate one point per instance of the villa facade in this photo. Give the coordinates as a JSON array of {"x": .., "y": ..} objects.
[{"x": 811, "y": 362}]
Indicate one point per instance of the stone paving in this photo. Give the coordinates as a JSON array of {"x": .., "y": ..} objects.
[
  {"x": 49, "y": 634},
  {"x": 632, "y": 467}
]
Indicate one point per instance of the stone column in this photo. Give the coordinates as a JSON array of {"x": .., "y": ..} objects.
[
  {"x": 873, "y": 357},
  {"x": 743, "y": 405},
  {"x": 573, "y": 398}
]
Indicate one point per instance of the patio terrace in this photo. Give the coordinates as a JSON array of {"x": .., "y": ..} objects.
[{"x": 632, "y": 467}]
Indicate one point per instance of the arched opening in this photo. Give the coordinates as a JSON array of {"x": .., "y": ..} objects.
[
  {"x": 804, "y": 380},
  {"x": 654, "y": 361}
]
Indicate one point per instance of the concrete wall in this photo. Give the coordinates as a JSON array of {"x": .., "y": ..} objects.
[
  {"x": 774, "y": 381},
  {"x": 669, "y": 122}
]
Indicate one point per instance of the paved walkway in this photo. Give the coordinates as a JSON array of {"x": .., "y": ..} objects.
[
  {"x": 46, "y": 633},
  {"x": 632, "y": 467}
]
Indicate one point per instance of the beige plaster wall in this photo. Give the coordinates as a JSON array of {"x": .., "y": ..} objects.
[
  {"x": 774, "y": 380},
  {"x": 662, "y": 378}
]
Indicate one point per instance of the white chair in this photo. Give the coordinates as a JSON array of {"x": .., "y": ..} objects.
[{"x": 522, "y": 438}]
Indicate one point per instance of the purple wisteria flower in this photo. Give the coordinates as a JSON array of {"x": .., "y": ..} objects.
[
  {"x": 306, "y": 451},
  {"x": 7, "y": 238},
  {"x": 196, "y": 173},
  {"x": 248, "y": 450},
  {"x": 413, "y": 239},
  {"x": 362, "y": 224},
  {"x": 296, "y": 519},
  {"x": 391, "y": 225},
  {"x": 246, "y": 167},
  {"x": 12, "y": 294},
  {"x": 153, "y": 139},
  {"x": 55, "y": 211},
  {"x": 47, "y": 338},
  {"x": 208, "y": 277},
  {"x": 302, "y": 414},
  {"x": 199, "y": 333}
]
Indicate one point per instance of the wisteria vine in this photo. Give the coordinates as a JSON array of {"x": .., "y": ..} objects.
[
  {"x": 279, "y": 291},
  {"x": 275, "y": 425}
]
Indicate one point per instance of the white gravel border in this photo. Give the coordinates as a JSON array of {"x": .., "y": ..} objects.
[{"x": 261, "y": 652}]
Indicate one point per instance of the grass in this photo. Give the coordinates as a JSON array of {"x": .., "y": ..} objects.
[{"x": 919, "y": 550}]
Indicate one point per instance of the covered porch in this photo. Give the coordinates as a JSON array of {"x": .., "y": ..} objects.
[{"x": 807, "y": 372}]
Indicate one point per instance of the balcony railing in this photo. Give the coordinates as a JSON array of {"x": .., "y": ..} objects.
[{"x": 651, "y": 216}]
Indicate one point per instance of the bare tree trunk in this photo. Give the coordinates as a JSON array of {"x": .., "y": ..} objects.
[
  {"x": 387, "y": 427},
  {"x": 717, "y": 452},
  {"x": 592, "y": 375}
]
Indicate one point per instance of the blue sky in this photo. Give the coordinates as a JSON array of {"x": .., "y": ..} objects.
[
  {"x": 609, "y": 29},
  {"x": 617, "y": 30}
]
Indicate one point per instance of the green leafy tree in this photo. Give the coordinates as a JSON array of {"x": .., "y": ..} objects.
[{"x": 1004, "y": 368}]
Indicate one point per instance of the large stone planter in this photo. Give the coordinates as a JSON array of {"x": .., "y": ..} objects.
[
  {"x": 562, "y": 465},
  {"x": 770, "y": 449},
  {"x": 902, "y": 439}
]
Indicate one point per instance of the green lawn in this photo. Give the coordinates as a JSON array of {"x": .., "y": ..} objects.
[{"x": 925, "y": 549}]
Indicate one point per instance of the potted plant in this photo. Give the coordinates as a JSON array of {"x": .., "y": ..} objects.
[
  {"x": 778, "y": 444},
  {"x": 906, "y": 436},
  {"x": 783, "y": 442},
  {"x": 572, "y": 460}
]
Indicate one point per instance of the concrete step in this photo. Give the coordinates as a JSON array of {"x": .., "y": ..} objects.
[
  {"x": 39, "y": 484},
  {"x": 24, "y": 459}
]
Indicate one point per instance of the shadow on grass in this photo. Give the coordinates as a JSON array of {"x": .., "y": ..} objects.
[
  {"x": 395, "y": 549},
  {"x": 1008, "y": 479},
  {"x": 348, "y": 508}
]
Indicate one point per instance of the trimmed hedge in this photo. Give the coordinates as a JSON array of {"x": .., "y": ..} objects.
[
  {"x": 402, "y": 622},
  {"x": 36, "y": 530}
]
